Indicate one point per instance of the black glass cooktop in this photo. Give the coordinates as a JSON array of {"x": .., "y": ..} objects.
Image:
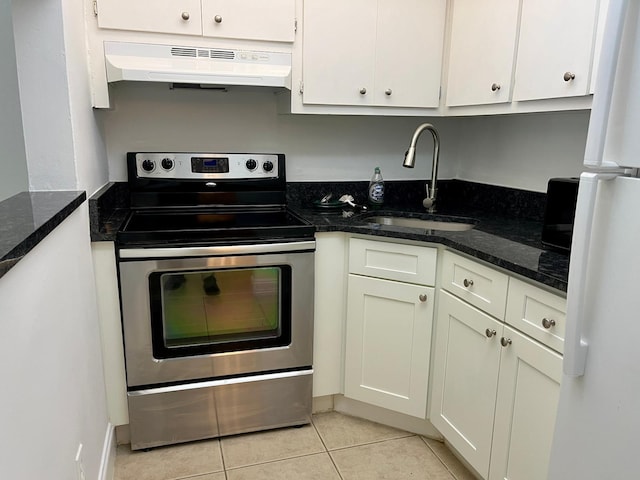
[{"x": 213, "y": 225}]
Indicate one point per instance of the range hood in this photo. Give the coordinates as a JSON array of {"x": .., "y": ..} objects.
[{"x": 196, "y": 65}]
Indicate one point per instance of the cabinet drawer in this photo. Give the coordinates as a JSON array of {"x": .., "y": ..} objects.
[
  {"x": 481, "y": 286},
  {"x": 538, "y": 313},
  {"x": 392, "y": 261}
]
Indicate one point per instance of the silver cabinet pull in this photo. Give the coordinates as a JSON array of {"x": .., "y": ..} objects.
[
  {"x": 505, "y": 342},
  {"x": 363, "y": 91},
  {"x": 568, "y": 76},
  {"x": 388, "y": 92},
  {"x": 467, "y": 283},
  {"x": 217, "y": 19},
  {"x": 185, "y": 15},
  {"x": 546, "y": 323},
  {"x": 489, "y": 333},
  {"x": 423, "y": 297},
  {"x": 495, "y": 87}
]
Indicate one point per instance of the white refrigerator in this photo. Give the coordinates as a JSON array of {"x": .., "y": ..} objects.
[{"x": 597, "y": 433}]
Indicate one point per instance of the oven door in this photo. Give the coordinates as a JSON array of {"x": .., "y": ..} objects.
[{"x": 210, "y": 312}]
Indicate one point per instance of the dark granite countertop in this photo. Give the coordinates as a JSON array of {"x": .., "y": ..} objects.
[
  {"x": 507, "y": 232},
  {"x": 512, "y": 244},
  {"x": 28, "y": 217}
]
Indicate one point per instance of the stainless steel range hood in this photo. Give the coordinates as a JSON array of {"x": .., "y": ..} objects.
[{"x": 196, "y": 65}]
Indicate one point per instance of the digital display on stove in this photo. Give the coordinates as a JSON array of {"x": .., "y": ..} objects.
[{"x": 209, "y": 165}]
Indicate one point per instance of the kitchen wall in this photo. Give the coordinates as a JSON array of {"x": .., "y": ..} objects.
[
  {"x": 53, "y": 394},
  {"x": 63, "y": 142},
  {"x": 50, "y": 353},
  {"x": 521, "y": 151},
  {"x": 13, "y": 163}
]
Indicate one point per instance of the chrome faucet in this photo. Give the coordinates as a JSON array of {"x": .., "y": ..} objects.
[{"x": 410, "y": 159}]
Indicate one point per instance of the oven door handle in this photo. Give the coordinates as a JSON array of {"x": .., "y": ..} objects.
[{"x": 226, "y": 250}]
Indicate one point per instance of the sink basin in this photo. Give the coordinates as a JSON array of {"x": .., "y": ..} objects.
[{"x": 420, "y": 223}]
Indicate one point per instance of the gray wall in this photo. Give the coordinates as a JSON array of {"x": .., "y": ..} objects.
[
  {"x": 521, "y": 151},
  {"x": 13, "y": 166}
]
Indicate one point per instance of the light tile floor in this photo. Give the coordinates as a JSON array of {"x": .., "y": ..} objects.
[{"x": 333, "y": 447}]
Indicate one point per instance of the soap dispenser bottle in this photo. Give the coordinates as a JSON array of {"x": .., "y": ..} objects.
[{"x": 376, "y": 188}]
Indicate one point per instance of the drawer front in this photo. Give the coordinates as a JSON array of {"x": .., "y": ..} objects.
[
  {"x": 393, "y": 261},
  {"x": 538, "y": 313},
  {"x": 481, "y": 286}
]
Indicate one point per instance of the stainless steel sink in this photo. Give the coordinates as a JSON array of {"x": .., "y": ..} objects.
[{"x": 420, "y": 223}]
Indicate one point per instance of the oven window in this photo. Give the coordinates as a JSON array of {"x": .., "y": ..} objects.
[{"x": 211, "y": 311}]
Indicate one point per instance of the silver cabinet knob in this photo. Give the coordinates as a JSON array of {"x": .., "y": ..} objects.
[
  {"x": 185, "y": 15},
  {"x": 217, "y": 19},
  {"x": 495, "y": 87},
  {"x": 505, "y": 342},
  {"x": 489, "y": 333},
  {"x": 388, "y": 92},
  {"x": 423, "y": 297},
  {"x": 548, "y": 323},
  {"x": 467, "y": 283},
  {"x": 363, "y": 91},
  {"x": 568, "y": 76}
]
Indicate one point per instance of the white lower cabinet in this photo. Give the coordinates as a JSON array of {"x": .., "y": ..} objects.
[
  {"x": 389, "y": 323},
  {"x": 388, "y": 344},
  {"x": 526, "y": 404},
  {"x": 465, "y": 379},
  {"x": 329, "y": 312},
  {"x": 495, "y": 390}
]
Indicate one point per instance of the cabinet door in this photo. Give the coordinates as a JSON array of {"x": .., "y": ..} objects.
[
  {"x": 339, "y": 51},
  {"x": 556, "y": 39},
  {"x": 409, "y": 42},
  {"x": 481, "y": 55},
  {"x": 272, "y": 20},
  {"x": 388, "y": 344},
  {"x": 165, "y": 16},
  {"x": 527, "y": 401},
  {"x": 465, "y": 379}
]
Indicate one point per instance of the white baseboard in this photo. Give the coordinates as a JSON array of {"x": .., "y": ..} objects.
[
  {"x": 322, "y": 404},
  {"x": 108, "y": 460}
]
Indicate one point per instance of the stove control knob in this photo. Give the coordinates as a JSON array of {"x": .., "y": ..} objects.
[
  {"x": 251, "y": 164},
  {"x": 167, "y": 163},
  {"x": 148, "y": 165},
  {"x": 267, "y": 166}
]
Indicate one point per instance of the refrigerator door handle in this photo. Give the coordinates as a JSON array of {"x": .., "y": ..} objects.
[
  {"x": 605, "y": 81},
  {"x": 575, "y": 348}
]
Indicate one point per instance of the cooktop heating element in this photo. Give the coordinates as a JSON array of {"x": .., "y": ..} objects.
[{"x": 182, "y": 198}]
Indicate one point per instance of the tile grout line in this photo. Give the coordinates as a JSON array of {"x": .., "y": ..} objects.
[
  {"x": 224, "y": 465},
  {"x": 373, "y": 442},
  {"x": 274, "y": 461},
  {"x": 439, "y": 458},
  {"x": 326, "y": 449}
]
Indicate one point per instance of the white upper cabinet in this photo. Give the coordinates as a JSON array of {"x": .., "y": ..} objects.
[
  {"x": 373, "y": 53},
  {"x": 481, "y": 55},
  {"x": 555, "y": 49},
  {"x": 166, "y": 16},
  {"x": 272, "y": 20},
  {"x": 338, "y": 62},
  {"x": 409, "y": 43}
]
